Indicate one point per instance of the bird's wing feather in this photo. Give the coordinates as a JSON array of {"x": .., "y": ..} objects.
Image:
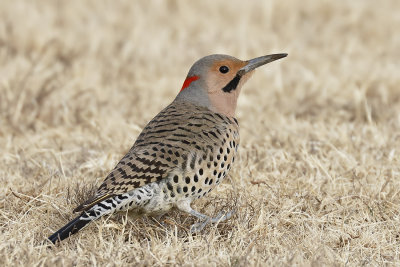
[{"x": 164, "y": 146}]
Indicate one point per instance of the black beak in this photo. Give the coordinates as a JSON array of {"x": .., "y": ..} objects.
[{"x": 259, "y": 61}]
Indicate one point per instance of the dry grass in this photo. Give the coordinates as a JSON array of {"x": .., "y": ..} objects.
[{"x": 318, "y": 179}]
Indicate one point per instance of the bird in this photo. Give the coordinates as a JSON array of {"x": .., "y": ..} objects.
[{"x": 182, "y": 154}]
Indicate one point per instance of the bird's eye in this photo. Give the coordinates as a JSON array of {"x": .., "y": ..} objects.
[{"x": 223, "y": 69}]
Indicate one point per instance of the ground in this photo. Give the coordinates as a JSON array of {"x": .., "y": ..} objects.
[{"x": 317, "y": 181}]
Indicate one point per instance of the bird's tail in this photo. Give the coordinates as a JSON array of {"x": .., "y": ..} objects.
[
  {"x": 69, "y": 229},
  {"x": 102, "y": 208}
]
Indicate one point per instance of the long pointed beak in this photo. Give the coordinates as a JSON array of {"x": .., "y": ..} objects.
[{"x": 259, "y": 61}]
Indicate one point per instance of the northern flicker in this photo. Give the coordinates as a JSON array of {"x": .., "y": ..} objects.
[{"x": 182, "y": 153}]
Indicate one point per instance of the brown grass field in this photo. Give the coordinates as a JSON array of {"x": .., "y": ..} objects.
[{"x": 318, "y": 176}]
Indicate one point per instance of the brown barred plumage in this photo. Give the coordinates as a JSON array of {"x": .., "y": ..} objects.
[
  {"x": 173, "y": 142},
  {"x": 182, "y": 153}
]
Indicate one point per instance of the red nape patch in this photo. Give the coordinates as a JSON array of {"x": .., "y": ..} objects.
[{"x": 188, "y": 81}]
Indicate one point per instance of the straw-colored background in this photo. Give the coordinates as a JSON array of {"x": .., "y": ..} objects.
[{"x": 318, "y": 177}]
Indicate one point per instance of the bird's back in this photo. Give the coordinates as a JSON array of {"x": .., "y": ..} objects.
[{"x": 188, "y": 148}]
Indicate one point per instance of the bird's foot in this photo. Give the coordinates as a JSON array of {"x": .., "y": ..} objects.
[{"x": 197, "y": 227}]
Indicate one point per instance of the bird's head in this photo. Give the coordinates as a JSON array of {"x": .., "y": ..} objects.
[{"x": 215, "y": 81}]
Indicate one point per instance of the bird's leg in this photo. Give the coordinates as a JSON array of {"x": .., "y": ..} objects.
[{"x": 197, "y": 227}]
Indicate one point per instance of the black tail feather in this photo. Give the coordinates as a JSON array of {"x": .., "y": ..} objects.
[{"x": 69, "y": 229}]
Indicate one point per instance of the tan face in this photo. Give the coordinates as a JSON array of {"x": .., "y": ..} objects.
[
  {"x": 219, "y": 75},
  {"x": 215, "y": 81}
]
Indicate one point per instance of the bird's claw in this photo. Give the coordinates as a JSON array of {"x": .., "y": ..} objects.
[{"x": 197, "y": 227}]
